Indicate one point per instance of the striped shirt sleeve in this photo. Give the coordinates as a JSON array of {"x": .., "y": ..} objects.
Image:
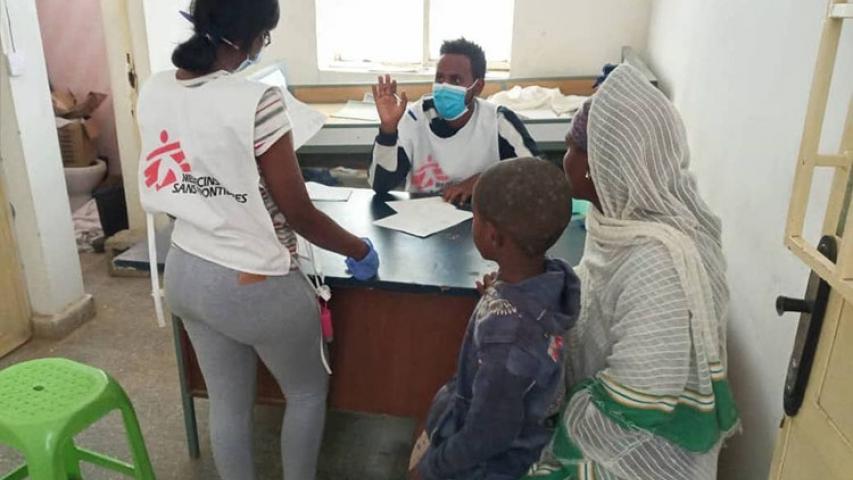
[
  {"x": 513, "y": 138},
  {"x": 271, "y": 120}
]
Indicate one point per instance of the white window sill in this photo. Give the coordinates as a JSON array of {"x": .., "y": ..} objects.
[{"x": 400, "y": 71}]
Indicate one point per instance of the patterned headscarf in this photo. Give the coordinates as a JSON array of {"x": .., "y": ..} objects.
[{"x": 578, "y": 131}]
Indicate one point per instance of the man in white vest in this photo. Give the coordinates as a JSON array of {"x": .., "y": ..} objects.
[{"x": 442, "y": 142}]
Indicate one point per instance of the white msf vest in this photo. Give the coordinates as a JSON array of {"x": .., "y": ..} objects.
[
  {"x": 437, "y": 162},
  {"x": 198, "y": 165}
]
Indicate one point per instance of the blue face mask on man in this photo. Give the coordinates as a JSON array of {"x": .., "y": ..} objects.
[{"x": 449, "y": 100}]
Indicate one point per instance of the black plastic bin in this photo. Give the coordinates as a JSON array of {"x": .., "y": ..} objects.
[{"x": 112, "y": 207}]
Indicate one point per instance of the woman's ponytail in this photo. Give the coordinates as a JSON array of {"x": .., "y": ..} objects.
[{"x": 197, "y": 55}]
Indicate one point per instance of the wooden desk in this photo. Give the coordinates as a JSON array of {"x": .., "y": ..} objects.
[{"x": 397, "y": 337}]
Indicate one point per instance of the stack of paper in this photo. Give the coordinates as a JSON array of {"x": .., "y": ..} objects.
[
  {"x": 355, "y": 110},
  {"x": 423, "y": 217},
  {"x": 322, "y": 193}
]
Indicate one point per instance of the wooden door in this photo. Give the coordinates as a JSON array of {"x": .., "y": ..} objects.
[
  {"x": 15, "y": 326},
  {"x": 816, "y": 440}
]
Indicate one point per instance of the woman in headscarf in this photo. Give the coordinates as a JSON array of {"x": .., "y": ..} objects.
[{"x": 649, "y": 398}]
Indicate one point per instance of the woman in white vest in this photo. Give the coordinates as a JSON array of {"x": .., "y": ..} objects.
[{"x": 218, "y": 157}]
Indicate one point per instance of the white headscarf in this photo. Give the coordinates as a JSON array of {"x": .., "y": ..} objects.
[
  {"x": 638, "y": 160},
  {"x": 653, "y": 252}
]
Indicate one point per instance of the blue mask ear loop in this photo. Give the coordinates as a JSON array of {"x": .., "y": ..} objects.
[
  {"x": 213, "y": 38},
  {"x": 468, "y": 89}
]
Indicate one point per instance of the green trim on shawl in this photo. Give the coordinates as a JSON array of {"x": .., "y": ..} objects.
[
  {"x": 566, "y": 461},
  {"x": 688, "y": 421}
]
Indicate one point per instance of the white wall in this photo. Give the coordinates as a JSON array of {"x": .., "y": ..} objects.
[
  {"x": 740, "y": 74},
  {"x": 550, "y": 37},
  {"x": 575, "y": 37},
  {"x": 166, "y": 29},
  {"x": 32, "y": 167}
]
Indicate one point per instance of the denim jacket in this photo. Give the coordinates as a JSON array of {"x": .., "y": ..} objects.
[{"x": 491, "y": 420}]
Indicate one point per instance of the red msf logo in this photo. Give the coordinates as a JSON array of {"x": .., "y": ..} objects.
[
  {"x": 429, "y": 176},
  {"x": 167, "y": 163}
]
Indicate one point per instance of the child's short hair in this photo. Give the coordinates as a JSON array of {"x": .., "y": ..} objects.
[{"x": 528, "y": 199}]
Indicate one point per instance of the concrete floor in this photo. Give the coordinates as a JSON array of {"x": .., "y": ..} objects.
[{"x": 124, "y": 340}]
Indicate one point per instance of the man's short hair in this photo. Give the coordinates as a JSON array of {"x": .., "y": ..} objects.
[
  {"x": 474, "y": 52},
  {"x": 527, "y": 199}
]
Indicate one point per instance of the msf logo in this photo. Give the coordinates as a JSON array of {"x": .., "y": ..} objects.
[
  {"x": 430, "y": 176},
  {"x": 166, "y": 164}
]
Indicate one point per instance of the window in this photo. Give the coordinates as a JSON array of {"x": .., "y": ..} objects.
[{"x": 406, "y": 35}]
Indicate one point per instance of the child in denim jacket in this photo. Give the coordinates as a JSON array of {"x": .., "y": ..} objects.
[{"x": 492, "y": 419}]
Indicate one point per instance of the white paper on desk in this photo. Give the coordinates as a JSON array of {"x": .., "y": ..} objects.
[
  {"x": 356, "y": 110},
  {"x": 423, "y": 204},
  {"x": 324, "y": 193},
  {"x": 423, "y": 223}
]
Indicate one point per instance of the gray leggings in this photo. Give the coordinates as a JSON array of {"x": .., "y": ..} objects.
[{"x": 230, "y": 325}]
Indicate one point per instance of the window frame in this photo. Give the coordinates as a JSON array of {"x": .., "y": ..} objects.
[{"x": 426, "y": 66}]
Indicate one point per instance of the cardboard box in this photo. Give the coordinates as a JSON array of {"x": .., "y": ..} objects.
[
  {"x": 63, "y": 101},
  {"x": 77, "y": 142},
  {"x": 78, "y": 134},
  {"x": 65, "y": 104}
]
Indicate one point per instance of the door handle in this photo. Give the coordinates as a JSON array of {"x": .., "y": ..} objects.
[
  {"x": 811, "y": 308},
  {"x": 788, "y": 304}
]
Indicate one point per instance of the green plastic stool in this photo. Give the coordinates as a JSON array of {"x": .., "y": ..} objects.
[{"x": 44, "y": 403}]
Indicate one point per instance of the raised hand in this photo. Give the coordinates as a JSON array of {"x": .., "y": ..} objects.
[{"x": 390, "y": 107}]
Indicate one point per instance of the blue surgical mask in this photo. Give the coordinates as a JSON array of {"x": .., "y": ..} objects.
[
  {"x": 248, "y": 62},
  {"x": 449, "y": 100}
]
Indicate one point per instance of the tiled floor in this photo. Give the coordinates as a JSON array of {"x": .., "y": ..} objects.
[{"x": 124, "y": 340}]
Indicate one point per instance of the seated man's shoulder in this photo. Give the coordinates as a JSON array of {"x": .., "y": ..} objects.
[
  {"x": 508, "y": 113},
  {"x": 424, "y": 108}
]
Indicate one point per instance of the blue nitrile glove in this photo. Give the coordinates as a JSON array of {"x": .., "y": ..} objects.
[{"x": 366, "y": 268}]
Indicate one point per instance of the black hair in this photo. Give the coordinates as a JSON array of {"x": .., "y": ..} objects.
[
  {"x": 474, "y": 52},
  {"x": 221, "y": 21},
  {"x": 527, "y": 199}
]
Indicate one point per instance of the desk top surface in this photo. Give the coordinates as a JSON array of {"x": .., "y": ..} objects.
[
  {"x": 446, "y": 262},
  {"x": 329, "y": 109}
]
